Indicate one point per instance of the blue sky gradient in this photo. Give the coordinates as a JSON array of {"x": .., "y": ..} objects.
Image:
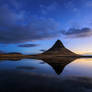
[{"x": 29, "y": 26}]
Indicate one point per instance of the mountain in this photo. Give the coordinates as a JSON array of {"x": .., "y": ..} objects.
[{"x": 59, "y": 49}]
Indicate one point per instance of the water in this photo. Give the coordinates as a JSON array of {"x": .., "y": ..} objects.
[
  {"x": 46, "y": 76},
  {"x": 79, "y": 67}
]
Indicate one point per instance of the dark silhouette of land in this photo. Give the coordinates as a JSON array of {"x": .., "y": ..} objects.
[{"x": 57, "y": 51}]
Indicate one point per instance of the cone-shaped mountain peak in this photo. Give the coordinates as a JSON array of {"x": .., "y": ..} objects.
[
  {"x": 59, "y": 49},
  {"x": 58, "y": 44}
]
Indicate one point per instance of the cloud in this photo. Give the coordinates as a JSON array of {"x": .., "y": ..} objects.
[
  {"x": 20, "y": 27},
  {"x": 77, "y": 33},
  {"x": 42, "y": 50},
  {"x": 88, "y": 3},
  {"x": 50, "y": 8},
  {"x": 29, "y": 45},
  {"x": 2, "y": 52}
]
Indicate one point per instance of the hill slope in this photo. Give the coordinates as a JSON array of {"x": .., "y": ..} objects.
[{"x": 59, "y": 49}]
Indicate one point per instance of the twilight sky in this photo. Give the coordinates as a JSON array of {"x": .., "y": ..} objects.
[{"x": 32, "y": 26}]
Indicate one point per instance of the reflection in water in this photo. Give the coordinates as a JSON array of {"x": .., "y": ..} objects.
[
  {"x": 80, "y": 67},
  {"x": 59, "y": 63},
  {"x": 25, "y": 67},
  {"x": 71, "y": 66},
  {"x": 34, "y": 80}
]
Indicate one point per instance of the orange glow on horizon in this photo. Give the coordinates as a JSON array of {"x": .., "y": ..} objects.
[{"x": 83, "y": 52}]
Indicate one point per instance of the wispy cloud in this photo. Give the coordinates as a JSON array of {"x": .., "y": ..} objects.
[
  {"x": 50, "y": 8},
  {"x": 1, "y": 52},
  {"x": 19, "y": 27},
  {"x": 28, "y": 45},
  {"x": 42, "y": 50},
  {"x": 77, "y": 33},
  {"x": 88, "y": 3}
]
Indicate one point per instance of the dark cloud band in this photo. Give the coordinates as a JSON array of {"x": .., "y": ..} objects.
[
  {"x": 20, "y": 28},
  {"x": 77, "y": 33},
  {"x": 28, "y": 45}
]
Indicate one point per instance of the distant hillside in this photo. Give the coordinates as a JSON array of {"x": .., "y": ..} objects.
[
  {"x": 59, "y": 49},
  {"x": 14, "y": 53}
]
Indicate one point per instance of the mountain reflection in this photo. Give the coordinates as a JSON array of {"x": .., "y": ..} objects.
[{"x": 59, "y": 63}]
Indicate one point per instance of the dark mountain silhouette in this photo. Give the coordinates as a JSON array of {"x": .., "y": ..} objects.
[
  {"x": 58, "y": 45},
  {"x": 59, "y": 64},
  {"x": 59, "y": 49}
]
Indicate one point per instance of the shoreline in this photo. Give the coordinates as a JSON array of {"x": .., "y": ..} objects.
[{"x": 41, "y": 56}]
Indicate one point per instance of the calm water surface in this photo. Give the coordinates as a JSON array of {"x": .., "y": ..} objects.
[
  {"x": 78, "y": 67},
  {"x": 32, "y": 72}
]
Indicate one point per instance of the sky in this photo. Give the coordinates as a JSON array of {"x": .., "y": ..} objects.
[{"x": 33, "y": 26}]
